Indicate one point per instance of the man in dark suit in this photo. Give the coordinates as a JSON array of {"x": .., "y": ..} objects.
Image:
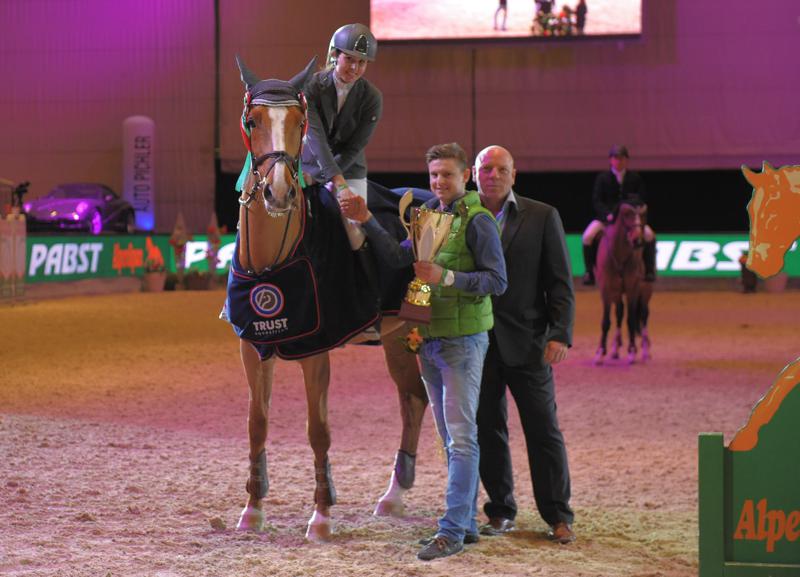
[{"x": 532, "y": 330}]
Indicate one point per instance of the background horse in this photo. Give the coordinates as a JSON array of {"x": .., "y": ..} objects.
[
  {"x": 619, "y": 272},
  {"x": 296, "y": 291}
]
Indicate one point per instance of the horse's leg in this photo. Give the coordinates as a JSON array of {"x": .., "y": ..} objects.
[
  {"x": 619, "y": 307},
  {"x": 599, "y": 356},
  {"x": 316, "y": 374},
  {"x": 259, "y": 379},
  {"x": 633, "y": 327},
  {"x": 644, "y": 314},
  {"x": 404, "y": 370}
]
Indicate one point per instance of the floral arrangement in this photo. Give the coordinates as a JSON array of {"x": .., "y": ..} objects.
[
  {"x": 154, "y": 265},
  {"x": 412, "y": 341}
]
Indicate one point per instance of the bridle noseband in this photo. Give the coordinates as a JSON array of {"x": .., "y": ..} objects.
[
  {"x": 619, "y": 220},
  {"x": 260, "y": 181}
]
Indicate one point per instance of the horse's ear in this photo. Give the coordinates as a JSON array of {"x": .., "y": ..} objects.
[
  {"x": 246, "y": 74},
  {"x": 750, "y": 176},
  {"x": 299, "y": 81}
]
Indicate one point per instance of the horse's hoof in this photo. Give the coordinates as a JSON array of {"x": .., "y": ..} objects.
[
  {"x": 631, "y": 359},
  {"x": 614, "y": 355},
  {"x": 251, "y": 519},
  {"x": 319, "y": 528},
  {"x": 598, "y": 361},
  {"x": 386, "y": 508}
]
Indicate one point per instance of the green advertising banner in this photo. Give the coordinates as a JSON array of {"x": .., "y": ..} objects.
[
  {"x": 64, "y": 258},
  {"x": 694, "y": 255}
]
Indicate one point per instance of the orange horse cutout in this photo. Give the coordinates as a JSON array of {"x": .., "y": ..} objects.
[
  {"x": 747, "y": 437},
  {"x": 774, "y": 225},
  {"x": 774, "y": 216}
]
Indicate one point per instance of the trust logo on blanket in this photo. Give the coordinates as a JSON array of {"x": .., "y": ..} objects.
[{"x": 267, "y": 300}]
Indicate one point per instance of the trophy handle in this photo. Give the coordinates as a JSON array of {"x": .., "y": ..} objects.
[{"x": 405, "y": 202}]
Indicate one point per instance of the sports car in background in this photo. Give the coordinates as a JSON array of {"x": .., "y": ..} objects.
[{"x": 83, "y": 206}]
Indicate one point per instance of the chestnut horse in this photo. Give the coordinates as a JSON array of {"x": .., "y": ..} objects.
[
  {"x": 619, "y": 272},
  {"x": 275, "y": 219}
]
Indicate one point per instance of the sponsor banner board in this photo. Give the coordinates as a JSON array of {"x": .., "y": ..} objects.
[
  {"x": 694, "y": 255},
  {"x": 64, "y": 258},
  {"x": 67, "y": 258}
]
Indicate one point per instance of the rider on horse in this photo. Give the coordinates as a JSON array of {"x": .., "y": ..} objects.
[
  {"x": 612, "y": 187},
  {"x": 344, "y": 109}
]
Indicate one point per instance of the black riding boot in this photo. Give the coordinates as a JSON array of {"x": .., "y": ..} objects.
[
  {"x": 589, "y": 256},
  {"x": 649, "y": 256}
]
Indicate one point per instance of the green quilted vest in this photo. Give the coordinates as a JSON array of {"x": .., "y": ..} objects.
[{"x": 454, "y": 312}]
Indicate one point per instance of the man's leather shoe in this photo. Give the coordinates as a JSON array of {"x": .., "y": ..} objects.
[
  {"x": 497, "y": 526},
  {"x": 561, "y": 533},
  {"x": 588, "y": 279}
]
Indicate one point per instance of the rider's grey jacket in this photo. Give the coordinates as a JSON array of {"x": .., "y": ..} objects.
[{"x": 335, "y": 142}]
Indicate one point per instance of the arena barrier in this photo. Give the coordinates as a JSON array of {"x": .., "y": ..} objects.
[
  {"x": 12, "y": 257},
  {"x": 748, "y": 495}
]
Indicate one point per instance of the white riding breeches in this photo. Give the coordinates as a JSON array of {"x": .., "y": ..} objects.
[
  {"x": 596, "y": 227},
  {"x": 355, "y": 235}
]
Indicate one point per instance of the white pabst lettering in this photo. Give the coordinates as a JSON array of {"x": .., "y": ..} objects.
[
  {"x": 664, "y": 251},
  {"x": 70, "y": 263},
  {"x": 696, "y": 255},
  {"x": 733, "y": 250},
  {"x": 65, "y": 258}
]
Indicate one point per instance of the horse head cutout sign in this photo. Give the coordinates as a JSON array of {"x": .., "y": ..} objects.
[{"x": 774, "y": 221}]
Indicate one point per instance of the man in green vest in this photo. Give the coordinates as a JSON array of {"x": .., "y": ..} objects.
[{"x": 466, "y": 272}]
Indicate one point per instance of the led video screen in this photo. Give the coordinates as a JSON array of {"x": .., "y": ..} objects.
[{"x": 420, "y": 20}]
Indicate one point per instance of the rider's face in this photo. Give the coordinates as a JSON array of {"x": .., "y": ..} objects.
[
  {"x": 618, "y": 163},
  {"x": 350, "y": 68}
]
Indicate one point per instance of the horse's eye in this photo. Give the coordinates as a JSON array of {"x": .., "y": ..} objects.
[{"x": 250, "y": 123}]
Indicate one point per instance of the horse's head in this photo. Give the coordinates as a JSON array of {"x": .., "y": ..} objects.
[
  {"x": 773, "y": 211},
  {"x": 273, "y": 124},
  {"x": 630, "y": 220}
]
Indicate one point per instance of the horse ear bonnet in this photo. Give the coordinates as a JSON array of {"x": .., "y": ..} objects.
[
  {"x": 248, "y": 78},
  {"x": 273, "y": 91}
]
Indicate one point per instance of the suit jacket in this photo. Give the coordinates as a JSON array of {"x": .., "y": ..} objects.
[
  {"x": 539, "y": 304},
  {"x": 335, "y": 142},
  {"x": 608, "y": 193}
]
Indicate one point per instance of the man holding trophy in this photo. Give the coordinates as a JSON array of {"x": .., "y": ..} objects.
[{"x": 461, "y": 276}]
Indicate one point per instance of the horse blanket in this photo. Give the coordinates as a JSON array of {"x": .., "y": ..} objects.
[{"x": 321, "y": 297}]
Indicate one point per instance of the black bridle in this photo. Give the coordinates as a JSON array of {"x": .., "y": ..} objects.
[
  {"x": 626, "y": 229},
  {"x": 271, "y": 93},
  {"x": 260, "y": 181}
]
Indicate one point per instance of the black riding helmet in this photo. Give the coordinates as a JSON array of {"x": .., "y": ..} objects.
[{"x": 355, "y": 40}]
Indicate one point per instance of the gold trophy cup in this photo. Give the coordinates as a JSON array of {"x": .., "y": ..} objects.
[{"x": 428, "y": 232}]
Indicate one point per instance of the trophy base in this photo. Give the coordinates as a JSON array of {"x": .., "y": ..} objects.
[{"x": 415, "y": 313}]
